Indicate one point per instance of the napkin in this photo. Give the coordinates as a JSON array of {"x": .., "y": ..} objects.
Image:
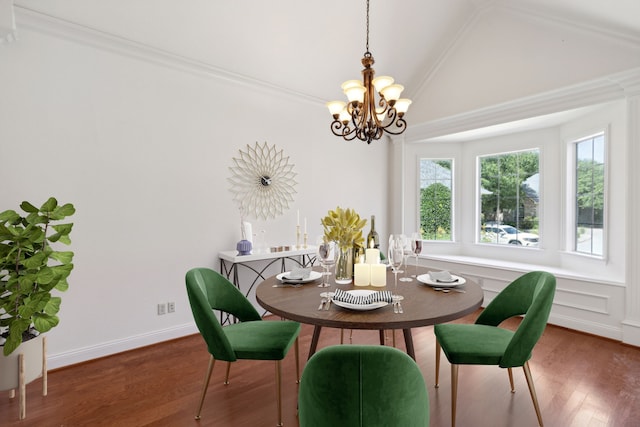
[
  {"x": 349, "y": 298},
  {"x": 298, "y": 274},
  {"x": 442, "y": 277}
]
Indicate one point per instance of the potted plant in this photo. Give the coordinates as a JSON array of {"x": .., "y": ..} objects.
[
  {"x": 31, "y": 269},
  {"x": 344, "y": 226}
]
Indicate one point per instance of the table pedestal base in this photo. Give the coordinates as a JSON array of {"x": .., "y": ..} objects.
[{"x": 408, "y": 341}]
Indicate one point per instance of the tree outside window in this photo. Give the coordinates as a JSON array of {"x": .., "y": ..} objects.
[
  {"x": 589, "y": 195},
  {"x": 436, "y": 181},
  {"x": 509, "y": 194}
]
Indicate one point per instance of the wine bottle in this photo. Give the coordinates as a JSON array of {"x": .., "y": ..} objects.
[{"x": 373, "y": 240}]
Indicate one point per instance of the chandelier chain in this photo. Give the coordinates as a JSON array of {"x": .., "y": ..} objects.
[{"x": 367, "y": 50}]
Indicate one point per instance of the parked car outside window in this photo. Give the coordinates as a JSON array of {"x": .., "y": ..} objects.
[{"x": 507, "y": 234}]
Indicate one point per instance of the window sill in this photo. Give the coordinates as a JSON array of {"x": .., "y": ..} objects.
[{"x": 522, "y": 267}]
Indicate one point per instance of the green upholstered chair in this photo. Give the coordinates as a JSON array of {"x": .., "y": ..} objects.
[
  {"x": 359, "y": 385},
  {"x": 249, "y": 338},
  {"x": 484, "y": 343}
]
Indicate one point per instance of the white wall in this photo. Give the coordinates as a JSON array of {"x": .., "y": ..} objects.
[{"x": 141, "y": 144}]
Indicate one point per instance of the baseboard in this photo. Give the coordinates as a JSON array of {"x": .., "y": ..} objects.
[
  {"x": 582, "y": 325},
  {"x": 108, "y": 348},
  {"x": 631, "y": 333}
]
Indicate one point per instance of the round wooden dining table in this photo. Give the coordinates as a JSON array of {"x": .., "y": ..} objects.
[{"x": 422, "y": 305}]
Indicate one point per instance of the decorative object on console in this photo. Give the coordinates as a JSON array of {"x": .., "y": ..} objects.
[
  {"x": 344, "y": 226},
  {"x": 245, "y": 245},
  {"x": 262, "y": 181},
  {"x": 369, "y": 118}
]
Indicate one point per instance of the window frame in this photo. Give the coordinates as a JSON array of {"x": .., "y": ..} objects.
[
  {"x": 478, "y": 189},
  {"x": 571, "y": 193},
  {"x": 453, "y": 195}
]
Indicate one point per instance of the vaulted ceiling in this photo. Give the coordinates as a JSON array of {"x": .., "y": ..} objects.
[{"x": 310, "y": 47}]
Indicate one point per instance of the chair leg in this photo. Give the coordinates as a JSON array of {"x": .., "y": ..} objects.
[
  {"x": 437, "y": 363},
  {"x": 297, "y": 352},
  {"x": 207, "y": 377},
  {"x": 532, "y": 390},
  {"x": 513, "y": 388},
  {"x": 454, "y": 393},
  {"x": 279, "y": 393},
  {"x": 226, "y": 377}
]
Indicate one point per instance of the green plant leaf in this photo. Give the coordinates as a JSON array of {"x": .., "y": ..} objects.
[
  {"x": 45, "y": 276},
  {"x": 65, "y": 257},
  {"x": 62, "y": 271},
  {"x": 63, "y": 211},
  {"x": 44, "y": 322},
  {"x": 26, "y": 281},
  {"x": 36, "y": 261},
  {"x": 53, "y": 306},
  {"x": 9, "y": 216},
  {"x": 28, "y": 207},
  {"x": 62, "y": 285},
  {"x": 11, "y": 344},
  {"x": 35, "y": 218},
  {"x": 49, "y": 205}
]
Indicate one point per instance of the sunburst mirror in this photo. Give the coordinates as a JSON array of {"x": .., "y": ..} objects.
[{"x": 262, "y": 181}]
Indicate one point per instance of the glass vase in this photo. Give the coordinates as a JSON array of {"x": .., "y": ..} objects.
[{"x": 344, "y": 266}]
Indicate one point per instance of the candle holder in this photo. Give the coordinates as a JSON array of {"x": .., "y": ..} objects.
[
  {"x": 305, "y": 240},
  {"x": 298, "y": 236}
]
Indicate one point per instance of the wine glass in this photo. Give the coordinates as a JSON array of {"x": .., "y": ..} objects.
[
  {"x": 396, "y": 256},
  {"x": 406, "y": 248},
  {"x": 416, "y": 247},
  {"x": 326, "y": 255}
]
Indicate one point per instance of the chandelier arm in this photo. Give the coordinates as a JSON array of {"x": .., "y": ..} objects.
[
  {"x": 346, "y": 131},
  {"x": 400, "y": 124}
]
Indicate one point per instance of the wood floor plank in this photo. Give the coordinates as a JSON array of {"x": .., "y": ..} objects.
[{"x": 581, "y": 380}]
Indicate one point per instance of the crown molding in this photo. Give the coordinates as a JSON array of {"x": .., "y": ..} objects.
[
  {"x": 608, "y": 88},
  {"x": 31, "y": 20}
]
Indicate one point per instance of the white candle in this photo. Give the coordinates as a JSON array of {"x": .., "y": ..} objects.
[
  {"x": 361, "y": 274},
  {"x": 378, "y": 275},
  {"x": 298, "y": 217},
  {"x": 372, "y": 256},
  {"x": 305, "y": 224}
]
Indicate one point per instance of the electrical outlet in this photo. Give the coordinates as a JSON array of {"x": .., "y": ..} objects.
[
  {"x": 162, "y": 309},
  {"x": 171, "y": 307}
]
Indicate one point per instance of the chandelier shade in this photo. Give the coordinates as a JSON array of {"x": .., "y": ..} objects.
[{"x": 373, "y": 106}]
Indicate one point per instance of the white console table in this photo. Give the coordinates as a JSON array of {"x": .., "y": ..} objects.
[{"x": 231, "y": 263}]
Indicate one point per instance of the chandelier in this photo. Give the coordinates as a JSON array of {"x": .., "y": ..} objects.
[{"x": 362, "y": 116}]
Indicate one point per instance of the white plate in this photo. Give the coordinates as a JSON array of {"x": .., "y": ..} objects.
[
  {"x": 313, "y": 276},
  {"x": 426, "y": 279},
  {"x": 361, "y": 307}
]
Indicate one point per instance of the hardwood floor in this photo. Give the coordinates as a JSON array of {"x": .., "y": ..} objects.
[{"x": 581, "y": 381}]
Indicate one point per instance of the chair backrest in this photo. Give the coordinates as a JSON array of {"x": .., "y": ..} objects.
[
  {"x": 530, "y": 295},
  {"x": 359, "y": 385},
  {"x": 208, "y": 290}
]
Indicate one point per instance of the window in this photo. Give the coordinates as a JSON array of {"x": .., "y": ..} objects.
[
  {"x": 436, "y": 185},
  {"x": 509, "y": 198},
  {"x": 589, "y": 195}
]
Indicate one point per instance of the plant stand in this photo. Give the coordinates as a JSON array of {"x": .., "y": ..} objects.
[{"x": 21, "y": 367}]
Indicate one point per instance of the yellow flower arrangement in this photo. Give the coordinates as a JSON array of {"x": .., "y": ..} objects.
[{"x": 344, "y": 226}]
